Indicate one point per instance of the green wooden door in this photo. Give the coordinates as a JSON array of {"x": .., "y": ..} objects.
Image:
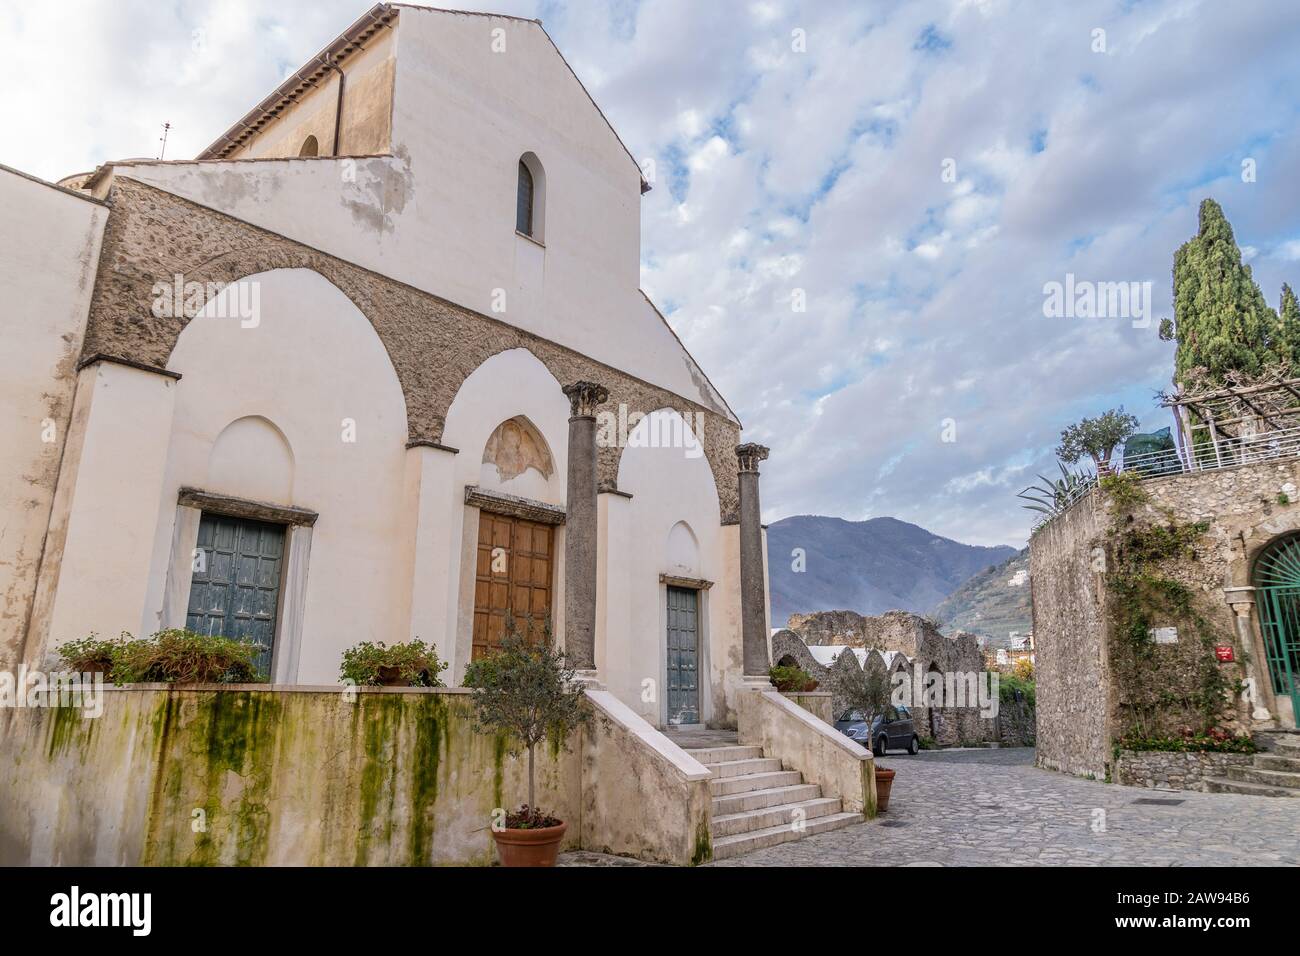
[
  {"x": 235, "y": 587},
  {"x": 1277, "y": 580},
  {"x": 683, "y": 656}
]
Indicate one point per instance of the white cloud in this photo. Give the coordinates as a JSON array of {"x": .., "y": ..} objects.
[{"x": 823, "y": 169}]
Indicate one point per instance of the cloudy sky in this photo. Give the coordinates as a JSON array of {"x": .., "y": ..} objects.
[{"x": 914, "y": 172}]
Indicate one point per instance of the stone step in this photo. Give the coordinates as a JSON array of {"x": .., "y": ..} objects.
[
  {"x": 1278, "y": 762},
  {"x": 729, "y": 846},
  {"x": 1224, "y": 785},
  {"x": 786, "y": 814},
  {"x": 758, "y": 799},
  {"x": 1268, "y": 778},
  {"x": 740, "y": 768},
  {"x": 712, "y": 755},
  {"x": 725, "y": 786},
  {"x": 1283, "y": 742}
]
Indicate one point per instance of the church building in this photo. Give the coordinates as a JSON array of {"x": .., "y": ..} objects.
[{"x": 375, "y": 366}]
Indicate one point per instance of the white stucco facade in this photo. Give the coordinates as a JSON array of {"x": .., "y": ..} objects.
[
  {"x": 49, "y": 248},
  {"x": 297, "y": 416}
]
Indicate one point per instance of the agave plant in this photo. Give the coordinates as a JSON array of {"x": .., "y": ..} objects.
[{"x": 1055, "y": 495}]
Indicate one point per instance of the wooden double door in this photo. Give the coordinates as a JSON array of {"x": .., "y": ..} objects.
[{"x": 513, "y": 576}]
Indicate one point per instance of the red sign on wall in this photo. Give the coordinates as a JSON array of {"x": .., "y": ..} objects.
[{"x": 1223, "y": 653}]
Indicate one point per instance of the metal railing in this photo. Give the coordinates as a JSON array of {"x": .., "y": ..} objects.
[{"x": 1204, "y": 456}]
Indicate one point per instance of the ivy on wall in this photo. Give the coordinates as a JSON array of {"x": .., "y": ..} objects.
[{"x": 1162, "y": 689}]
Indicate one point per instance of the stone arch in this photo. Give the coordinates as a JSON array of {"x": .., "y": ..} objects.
[
  {"x": 206, "y": 246},
  {"x": 1261, "y": 553},
  {"x": 786, "y": 644}
]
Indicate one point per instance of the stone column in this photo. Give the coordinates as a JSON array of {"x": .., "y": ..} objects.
[
  {"x": 1242, "y": 602},
  {"x": 580, "y": 528},
  {"x": 753, "y": 602}
]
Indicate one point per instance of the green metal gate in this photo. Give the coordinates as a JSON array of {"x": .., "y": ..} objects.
[{"x": 1277, "y": 580}]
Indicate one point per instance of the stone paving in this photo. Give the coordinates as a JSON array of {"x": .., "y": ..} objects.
[{"x": 994, "y": 808}]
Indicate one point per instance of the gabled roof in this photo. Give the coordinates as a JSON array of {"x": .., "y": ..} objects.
[
  {"x": 350, "y": 41},
  {"x": 291, "y": 90}
]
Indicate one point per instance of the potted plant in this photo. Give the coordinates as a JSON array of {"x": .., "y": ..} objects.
[
  {"x": 868, "y": 693},
  {"x": 173, "y": 656},
  {"x": 792, "y": 680},
  {"x": 525, "y": 690},
  {"x": 413, "y": 664}
]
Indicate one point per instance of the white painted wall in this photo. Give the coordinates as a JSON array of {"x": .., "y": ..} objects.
[
  {"x": 312, "y": 363},
  {"x": 49, "y": 250},
  {"x": 645, "y": 537},
  {"x": 510, "y": 383},
  {"x": 440, "y": 214}
]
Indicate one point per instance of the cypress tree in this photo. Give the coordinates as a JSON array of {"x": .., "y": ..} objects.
[
  {"x": 1221, "y": 319},
  {"x": 1289, "y": 333}
]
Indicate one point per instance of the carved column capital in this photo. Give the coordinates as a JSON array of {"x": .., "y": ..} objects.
[
  {"x": 584, "y": 397},
  {"x": 1241, "y": 600},
  {"x": 749, "y": 455}
]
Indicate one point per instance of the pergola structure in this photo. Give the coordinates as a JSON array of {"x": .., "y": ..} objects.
[{"x": 1228, "y": 424}]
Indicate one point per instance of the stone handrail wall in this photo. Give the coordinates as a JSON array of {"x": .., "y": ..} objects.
[
  {"x": 296, "y": 775},
  {"x": 643, "y": 796},
  {"x": 816, "y": 702},
  {"x": 802, "y": 742}
]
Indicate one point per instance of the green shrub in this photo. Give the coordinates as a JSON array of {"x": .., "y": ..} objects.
[
  {"x": 413, "y": 663},
  {"x": 173, "y": 656},
  {"x": 180, "y": 656},
  {"x": 91, "y": 655},
  {"x": 1211, "y": 740},
  {"x": 792, "y": 680},
  {"x": 1008, "y": 684},
  {"x": 927, "y": 743}
]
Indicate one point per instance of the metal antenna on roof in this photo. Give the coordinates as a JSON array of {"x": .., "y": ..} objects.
[{"x": 163, "y": 139}]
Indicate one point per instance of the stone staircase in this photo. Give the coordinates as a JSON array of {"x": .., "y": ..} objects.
[
  {"x": 756, "y": 801},
  {"x": 1275, "y": 771}
]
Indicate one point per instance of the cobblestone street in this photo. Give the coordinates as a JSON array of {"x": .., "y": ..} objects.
[{"x": 993, "y": 807}]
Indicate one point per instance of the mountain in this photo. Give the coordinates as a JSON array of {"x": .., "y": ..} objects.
[
  {"x": 993, "y": 603},
  {"x": 873, "y": 566}
]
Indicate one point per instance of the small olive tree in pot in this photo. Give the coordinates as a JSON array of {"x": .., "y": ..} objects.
[
  {"x": 867, "y": 691},
  {"x": 525, "y": 690}
]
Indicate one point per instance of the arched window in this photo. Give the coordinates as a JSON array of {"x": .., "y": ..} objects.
[
  {"x": 530, "y": 198},
  {"x": 309, "y": 147},
  {"x": 524, "y": 201}
]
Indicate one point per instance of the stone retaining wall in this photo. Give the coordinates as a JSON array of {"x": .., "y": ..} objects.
[
  {"x": 1173, "y": 770},
  {"x": 251, "y": 775}
]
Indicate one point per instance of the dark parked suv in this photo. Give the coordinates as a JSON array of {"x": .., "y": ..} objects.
[{"x": 893, "y": 728}]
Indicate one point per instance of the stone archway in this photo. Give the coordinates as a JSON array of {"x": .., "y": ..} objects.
[{"x": 1275, "y": 576}]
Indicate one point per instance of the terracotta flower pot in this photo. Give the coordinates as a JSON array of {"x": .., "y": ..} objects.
[
  {"x": 537, "y": 847},
  {"x": 884, "y": 783}
]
